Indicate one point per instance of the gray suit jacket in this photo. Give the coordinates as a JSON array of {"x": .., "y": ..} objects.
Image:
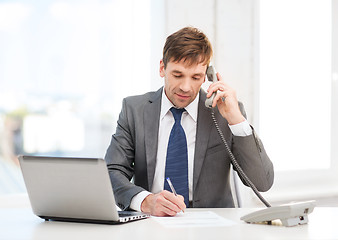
[{"x": 133, "y": 148}]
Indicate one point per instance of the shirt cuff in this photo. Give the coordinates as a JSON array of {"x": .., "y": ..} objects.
[
  {"x": 242, "y": 129},
  {"x": 137, "y": 200}
]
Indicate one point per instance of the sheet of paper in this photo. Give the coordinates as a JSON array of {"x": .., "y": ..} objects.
[{"x": 195, "y": 219}]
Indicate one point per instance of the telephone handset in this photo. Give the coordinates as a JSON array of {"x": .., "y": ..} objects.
[
  {"x": 212, "y": 77},
  {"x": 290, "y": 214}
]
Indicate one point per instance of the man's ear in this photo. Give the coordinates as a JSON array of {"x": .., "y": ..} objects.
[
  {"x": 162, "y": 73},
  {"x": 205, "y": 75}
]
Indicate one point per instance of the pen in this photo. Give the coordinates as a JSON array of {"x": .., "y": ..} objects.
[{"x": 172, "y": 187}]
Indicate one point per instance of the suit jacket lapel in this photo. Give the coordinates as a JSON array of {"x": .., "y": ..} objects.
[
  {"x": 151, "y": 117},
  {"x": 204, "y": 124}
]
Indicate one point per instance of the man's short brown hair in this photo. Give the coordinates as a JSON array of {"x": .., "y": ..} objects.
[{"x": 188, "y": 44}]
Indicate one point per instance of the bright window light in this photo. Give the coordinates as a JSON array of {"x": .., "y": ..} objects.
[
  {"x": 65, "y": 67},
  {"x": 295, "y": 82}
]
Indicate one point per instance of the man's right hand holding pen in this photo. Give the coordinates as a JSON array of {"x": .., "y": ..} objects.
[{"x": 164, "y": 203}]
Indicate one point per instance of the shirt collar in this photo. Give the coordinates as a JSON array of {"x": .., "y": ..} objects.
[{"x": 191, "y": 109}]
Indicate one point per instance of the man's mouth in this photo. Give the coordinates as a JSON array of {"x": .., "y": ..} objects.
[{"x": 183, "y": 96}]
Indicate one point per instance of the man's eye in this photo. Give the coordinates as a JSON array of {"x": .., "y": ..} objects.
[
  {"x": 177, "y": 76},
  {"x": 196, "y": 78}
]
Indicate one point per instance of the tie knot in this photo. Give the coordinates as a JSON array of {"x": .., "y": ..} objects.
[{"x": 177, "y": 112}]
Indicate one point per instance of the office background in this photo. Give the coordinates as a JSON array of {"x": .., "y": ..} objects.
[{"x": 65, "y": 67}]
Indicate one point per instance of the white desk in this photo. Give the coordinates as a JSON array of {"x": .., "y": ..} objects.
[{"x": 20, "y": 223}]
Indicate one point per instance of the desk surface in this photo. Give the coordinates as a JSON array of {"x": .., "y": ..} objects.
[{"x": 20, "y": 223}]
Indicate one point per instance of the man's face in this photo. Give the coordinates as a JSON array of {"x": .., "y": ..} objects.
[{"x": 182, "y": 82}]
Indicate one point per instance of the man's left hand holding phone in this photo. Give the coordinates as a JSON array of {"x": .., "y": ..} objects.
[{"x": 226, "y": 101}]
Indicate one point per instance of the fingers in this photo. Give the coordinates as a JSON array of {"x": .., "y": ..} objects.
[
  {"x": 223, "y": 92},
  {"x": 163, "y": 204},
  {"x": 226, "y": 101},
  {"x": 222, "y": 89},
  {"x": 220, "y": 85},
  {"x": 223, "y": 95},
  {"x": 178, "y": 200}
]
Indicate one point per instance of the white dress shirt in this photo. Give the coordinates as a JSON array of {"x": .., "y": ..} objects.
[{"x": 189, "y": 123}]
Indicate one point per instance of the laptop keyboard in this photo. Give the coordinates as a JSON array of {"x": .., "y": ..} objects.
[{"x": 126, "y": 216}]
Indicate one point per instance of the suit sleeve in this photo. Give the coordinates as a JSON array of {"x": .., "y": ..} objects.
[
  {"x": 253, "y": 159},
  {"x": 120, "y": 157}
]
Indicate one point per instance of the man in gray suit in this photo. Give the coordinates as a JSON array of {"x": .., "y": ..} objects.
[{"x": 136, "y": 156}]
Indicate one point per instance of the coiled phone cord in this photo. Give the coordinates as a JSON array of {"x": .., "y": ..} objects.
[{"x": 235, "y": 163}]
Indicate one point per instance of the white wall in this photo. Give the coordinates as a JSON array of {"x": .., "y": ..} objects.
[{"x": 334, "y": 93}]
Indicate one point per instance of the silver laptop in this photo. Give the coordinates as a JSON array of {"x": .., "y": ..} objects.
[{"x": 72, "y": 189}]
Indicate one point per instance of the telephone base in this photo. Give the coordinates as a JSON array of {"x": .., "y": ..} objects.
[
  {"x": 293, "y": 214},
  {"x": 289, "y": 222}
]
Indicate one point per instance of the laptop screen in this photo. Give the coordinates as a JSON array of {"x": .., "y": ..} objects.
[{"x": 69, "y": 187}]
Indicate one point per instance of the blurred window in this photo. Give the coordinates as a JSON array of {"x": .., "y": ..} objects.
[
  {"x": 64, "y": 68},
  {"x": 296, "y": 94}
]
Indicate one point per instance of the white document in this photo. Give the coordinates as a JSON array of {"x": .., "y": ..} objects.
[{"x": 195, "y": 219}]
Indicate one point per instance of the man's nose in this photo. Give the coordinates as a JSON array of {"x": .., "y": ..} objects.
[{"x": 185, "y": 85}]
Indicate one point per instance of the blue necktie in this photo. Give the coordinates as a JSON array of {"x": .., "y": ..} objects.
[{"x": 176, "y": 167}]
